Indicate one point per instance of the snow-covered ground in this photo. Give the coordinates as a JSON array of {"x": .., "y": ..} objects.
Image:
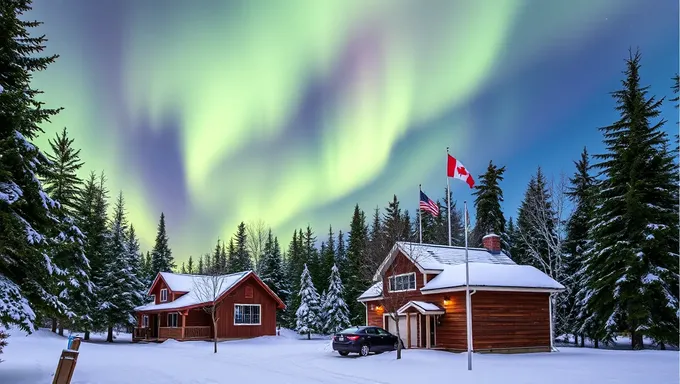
[{"x": 289, "y": 359}]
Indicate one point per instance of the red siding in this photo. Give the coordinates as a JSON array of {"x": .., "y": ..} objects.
[{"x": 226, "y": 328}]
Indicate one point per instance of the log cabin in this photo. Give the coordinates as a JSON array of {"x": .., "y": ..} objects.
[
  {"x": 422, "y": 287},
  {"x": 246, "y": 307}
]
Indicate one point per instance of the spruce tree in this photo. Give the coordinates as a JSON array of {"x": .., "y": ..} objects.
[
  {"x": 328, "y": 257},
  {"x": 489, "y": 217},
  {"x": 149, "y": 276},
  {"x": 631, "y": 268},
  {"x": 183, "y": 269},
  {"x": 117, "y": 291},
  {"x": 72, "y": 282},
  {"x": 357, "y": 281},
  {"x": 135, "y": 279},
  {"x": 161, "y": 255},
  {"x": 307, "y": 314},
  {"x": 580, "y": 193},
  {"x": 26, "y": 216},
  {"x": 272, "y": 272},
  {"x": 241, "y": 258},
  {"x": 200, "y": 269},
  {"x": 323, "y": 313},
  {"x": 217, "y": 258},
  {"x": 92, "y": 219},
  {"x": 335, "y": 307},
  {"x": 514, "y": 241},
  {"x": 310, "y": 255},
  {"x": 190, "y": 264},
  {"x": 231, "y": 256},
  {"x": 295, "y": 266}
]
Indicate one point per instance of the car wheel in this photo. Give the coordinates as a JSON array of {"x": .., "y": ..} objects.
[
  {"x": 365, "y": 349},
  {"x": 343, "y": 353}
]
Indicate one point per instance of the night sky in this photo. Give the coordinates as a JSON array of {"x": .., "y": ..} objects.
[{"x": 217, "y": 112}]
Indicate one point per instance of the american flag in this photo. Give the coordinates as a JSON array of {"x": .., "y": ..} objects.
[{"x": 427, "y": 205}]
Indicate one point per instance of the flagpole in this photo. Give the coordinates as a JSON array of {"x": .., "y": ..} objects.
[
  {"x": 448, "y": 196},
  {"x": 467, "y": 294},
  {"x": 420, "y": 216}
]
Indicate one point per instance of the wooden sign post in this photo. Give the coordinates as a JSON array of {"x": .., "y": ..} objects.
[{"x": 66, "y": 366}]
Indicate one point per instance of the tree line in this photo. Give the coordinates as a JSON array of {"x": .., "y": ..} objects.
[{"x": 67, "y": 259}]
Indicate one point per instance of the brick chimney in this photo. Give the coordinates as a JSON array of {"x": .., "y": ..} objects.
[{"x": 492, "y": 242}]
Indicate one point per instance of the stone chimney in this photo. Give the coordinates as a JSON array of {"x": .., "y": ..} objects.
[{"x": 492, "y": 242}]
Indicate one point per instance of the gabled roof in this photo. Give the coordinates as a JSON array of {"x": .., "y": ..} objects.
[
  {"x": 434, "y": 258},
  {"x": 177, "y": 282},
  {"x": 374, "y": 292},
  {"x": 423, "y": 307}
]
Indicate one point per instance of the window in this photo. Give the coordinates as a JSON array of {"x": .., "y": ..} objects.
[
  {"x": 172, "y": 320},
  {"x": 371, "y": 331},
  {"x": 153, "y": 299},
  {"x": 164, "y": 295},
  {"x": 382, "y": 332},
  {"x": 145, "y": 321},
  {"x": 404, "y": 282},
  {"x": 246, "y": 314}
]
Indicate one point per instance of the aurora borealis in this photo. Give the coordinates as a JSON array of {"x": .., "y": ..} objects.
[{"x": 217, "y": 112}]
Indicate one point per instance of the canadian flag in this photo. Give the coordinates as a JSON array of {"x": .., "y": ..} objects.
[{"x": 458, "y": 171}]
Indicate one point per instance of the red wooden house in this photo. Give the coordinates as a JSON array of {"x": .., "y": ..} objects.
[
  {"x": 246, "y": 308},
  {"x": 422, "y": 287}
]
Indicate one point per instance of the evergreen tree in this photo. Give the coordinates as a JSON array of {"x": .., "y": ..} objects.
[
  {"x": 161, "y": 255},
  {"x": 72, "y": 282},
  {"x": 357, "y": 281},
  {"x": 190, "y": 264},
  {"x": 217, "y": 259},
  {"x": 335, "y": 308},
  {"x": 323, "y": 313},
  {"x": 117, "y": 293},
  {"x": 536, "y": 222},
  {"x": 514, "y": 241},
  {"x": 310, "y": 255},
  {"x": 93, "y": 222},
  {"x": 183, "y": 269},
  {"x": 631, "y": 267},
  {"x": 328, "y": 257},
  {"x": 25, "y": 210},
  {"x": 307, "y": 314},
  {"x": 489, "y": 216},
  {"x": 224, "y": 260},
  {"x": 135, "y": 279},
  {"x": 581, "y": 195},
  {"x": 341, "y": 253},
  {"x": 231, "y": 256},
  {"x": 295, "y": 266},
  {"x": 272, "y": 272},
  {"x": 148, "y": 270},
  {"x": 241, "y": 259},
  {"x": 201, "y": 267}
]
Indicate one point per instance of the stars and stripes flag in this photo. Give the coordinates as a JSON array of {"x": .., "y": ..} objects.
[{"x": 427, "y": 205}]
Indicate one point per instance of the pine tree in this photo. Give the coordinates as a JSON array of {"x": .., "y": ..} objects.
[
  {"x": 328, "y": 257},
  {"x": 335, "y": 307},
  {"x": 135, "y": 279},
  {"x": 201, "y": 267},
  {"x": 148, "y": 270},
  {"x": 241, "y": 258},
  {"x": 357, "y": 282},
  {"x": 272, "y": 272},
  {"x": 581, "y": 195},
  {"x": 161, "y": 255},
  {"x": 117, "y": 293},
  {"x": 323, "y": 313},
  {"x": 183, "y": 269},
  {"x": 631, "y": 267},
  {"x": 310, "y": 254},
  {"x": 72, "y": 280},
  {"x": 190, "y": 264},
  {"x": 231, "y": 256},
  {"x": 488, "y": 197},
  {"x": 25, "y": 210},
  {"x": 295, "y": 266},
  {"x": 513, "y": 249},
  {"x": 307, "y": 314},
  {"x": 217, "y": 258}
]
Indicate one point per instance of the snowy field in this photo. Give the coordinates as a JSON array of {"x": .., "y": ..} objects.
[{"x": 288, "y": 359}]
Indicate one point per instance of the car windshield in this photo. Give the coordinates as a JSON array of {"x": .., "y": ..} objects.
[{"x": 350, "y": 330}]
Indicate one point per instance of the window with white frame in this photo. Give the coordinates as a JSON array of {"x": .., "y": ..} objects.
[
  {"x": 145, "y": 321},
  {"x": 403, "y": 282},
  {"x": 153, "y": 298},
  {"x": 164, "y": 295},
  {"x": 246, "y": 314},
  {"x": 173, "y": 320}
]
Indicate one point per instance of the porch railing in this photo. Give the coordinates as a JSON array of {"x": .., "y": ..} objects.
[
  {"x": 196, "y": 332},
  {"x": 170, "y": 333},
  {"x": 142, "y": 333}
]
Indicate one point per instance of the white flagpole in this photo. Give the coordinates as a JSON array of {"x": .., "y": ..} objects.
[
  {"x": 468, "y": 309},
  {"x": 420, "y": 216},
  {"x": 448, "y": 196}
]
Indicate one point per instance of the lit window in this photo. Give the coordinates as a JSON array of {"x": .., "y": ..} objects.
[
  {"x": 164, "y": 295},
  {"x": 145, "y": 321},
  {"x": 405, "y": 282},
  {"x": 246, "y": 314}
]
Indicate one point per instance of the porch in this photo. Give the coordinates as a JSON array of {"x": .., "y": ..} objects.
[
  {"x": 417, "y": 324},
  {"x": 181, "y": 326}
]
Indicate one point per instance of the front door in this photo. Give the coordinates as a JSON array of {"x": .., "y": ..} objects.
[
  {"x": 413, "y": 332},
  {"x": 153, "y": 326}
]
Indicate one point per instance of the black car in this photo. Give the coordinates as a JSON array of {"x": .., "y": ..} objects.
[{"x": 364, "y": 339}]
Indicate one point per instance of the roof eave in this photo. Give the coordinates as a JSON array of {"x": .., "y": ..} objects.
[{"x": 491, "y": 288}]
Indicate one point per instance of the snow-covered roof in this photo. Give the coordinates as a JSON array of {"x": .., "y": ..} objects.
[
  {"x": 371, "y": 293},
  {"x": 430, "y": 257},
  {"x": 487, "y": 269},
  {"x": 492, "y": 275},
  {"x": 423, "y": 307},
  {"x": 187, "y": 283}
]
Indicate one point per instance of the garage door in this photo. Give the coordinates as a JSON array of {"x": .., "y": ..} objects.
[{"x": 392, "y": 328}]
